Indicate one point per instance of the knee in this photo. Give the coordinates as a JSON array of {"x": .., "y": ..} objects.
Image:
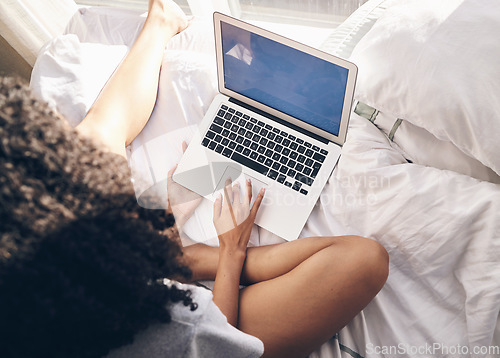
[{"x": 371, "y": 261}]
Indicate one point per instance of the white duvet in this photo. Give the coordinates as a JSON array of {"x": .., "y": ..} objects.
[{"x": 441, "y": 228}]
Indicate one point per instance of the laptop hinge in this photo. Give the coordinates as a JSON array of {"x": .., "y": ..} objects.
[{"x": 280, "y": 121}]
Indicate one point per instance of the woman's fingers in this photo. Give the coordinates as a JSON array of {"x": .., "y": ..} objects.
[
  {"x": 184, "y": 146},
  {"x": 230, "y": 208},
  {"x": 228, "y": 190},
  {"x": 169, "y": 176},
  {"x": 217, "y": 206},
  {"x": 236, "y": 193},
  {"x": 171, "y": 172},
  {"x": 257, "y": 202},
  {"x": 228, "y": 193},
  {"x": 249, "y": 191}
]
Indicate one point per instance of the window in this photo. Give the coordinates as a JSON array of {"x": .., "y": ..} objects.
[
  {"x": 307, "y": 21},
  {"x": 315, "y": 13},
  {"x": 140, "y": 5}
]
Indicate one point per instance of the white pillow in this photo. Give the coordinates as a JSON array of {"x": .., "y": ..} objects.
[
  {"x": 435, "y": 64},
  {"x": 106, "y": 25},
  {"x": 344, "y": 37},
  {"x": 71, "y": 70},
  {"x": 69, "y": 74}
]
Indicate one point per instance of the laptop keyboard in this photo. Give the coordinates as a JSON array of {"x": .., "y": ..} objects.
[{"x": 270, "y": 151}]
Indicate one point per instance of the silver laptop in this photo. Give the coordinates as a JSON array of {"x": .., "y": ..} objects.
[{"x": 280, "y": 120}]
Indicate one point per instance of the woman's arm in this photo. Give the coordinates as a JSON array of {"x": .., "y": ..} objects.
[
  {"x": 262, "y": 263},
  {"x": 125, "y": 103},
  {"x": 233, "y": 220}
]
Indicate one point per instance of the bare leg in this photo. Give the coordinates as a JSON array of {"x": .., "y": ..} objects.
[
  {"x": 309, "y": 289},
  {"x": 295, "y": 313},
  {"x": 127, "y": 100},
  {"x": 262, "y": 263}
]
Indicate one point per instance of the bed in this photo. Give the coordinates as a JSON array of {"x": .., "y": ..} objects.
[{"x": 419, "y": 173}]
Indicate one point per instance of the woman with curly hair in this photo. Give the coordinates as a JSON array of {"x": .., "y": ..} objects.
[{"x": 86, "y": 272}]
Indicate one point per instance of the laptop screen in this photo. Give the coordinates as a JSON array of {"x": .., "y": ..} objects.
[{"x": 286, "y": 79}]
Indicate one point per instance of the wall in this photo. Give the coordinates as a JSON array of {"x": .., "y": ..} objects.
[{"x": 11, "y": 63}]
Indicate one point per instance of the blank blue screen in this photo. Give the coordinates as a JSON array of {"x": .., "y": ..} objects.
[{"x": 283, "y": 78}]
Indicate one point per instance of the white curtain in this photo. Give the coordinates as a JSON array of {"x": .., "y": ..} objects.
[{"x": 28, "y": 24}]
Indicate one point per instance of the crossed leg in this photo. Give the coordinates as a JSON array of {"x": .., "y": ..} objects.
[{"x": 302, "y": 292}]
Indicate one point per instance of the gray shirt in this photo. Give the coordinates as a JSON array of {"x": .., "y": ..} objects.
[{"x": 204, "y": 332}]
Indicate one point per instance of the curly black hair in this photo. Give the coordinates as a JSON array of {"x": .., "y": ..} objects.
[{"x": 81, "y": 263}]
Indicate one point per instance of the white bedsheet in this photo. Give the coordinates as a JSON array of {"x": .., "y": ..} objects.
[
  {"x": 442, "y": 232},
  {"x": 441, "y": 228}
]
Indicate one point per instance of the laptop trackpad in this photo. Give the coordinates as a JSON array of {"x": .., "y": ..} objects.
[{"x": 239, "y": 177}]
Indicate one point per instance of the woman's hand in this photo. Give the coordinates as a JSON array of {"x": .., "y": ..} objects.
[
  {"x": 233, "y": 217},
  {"x": 233, "y": 220}
]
